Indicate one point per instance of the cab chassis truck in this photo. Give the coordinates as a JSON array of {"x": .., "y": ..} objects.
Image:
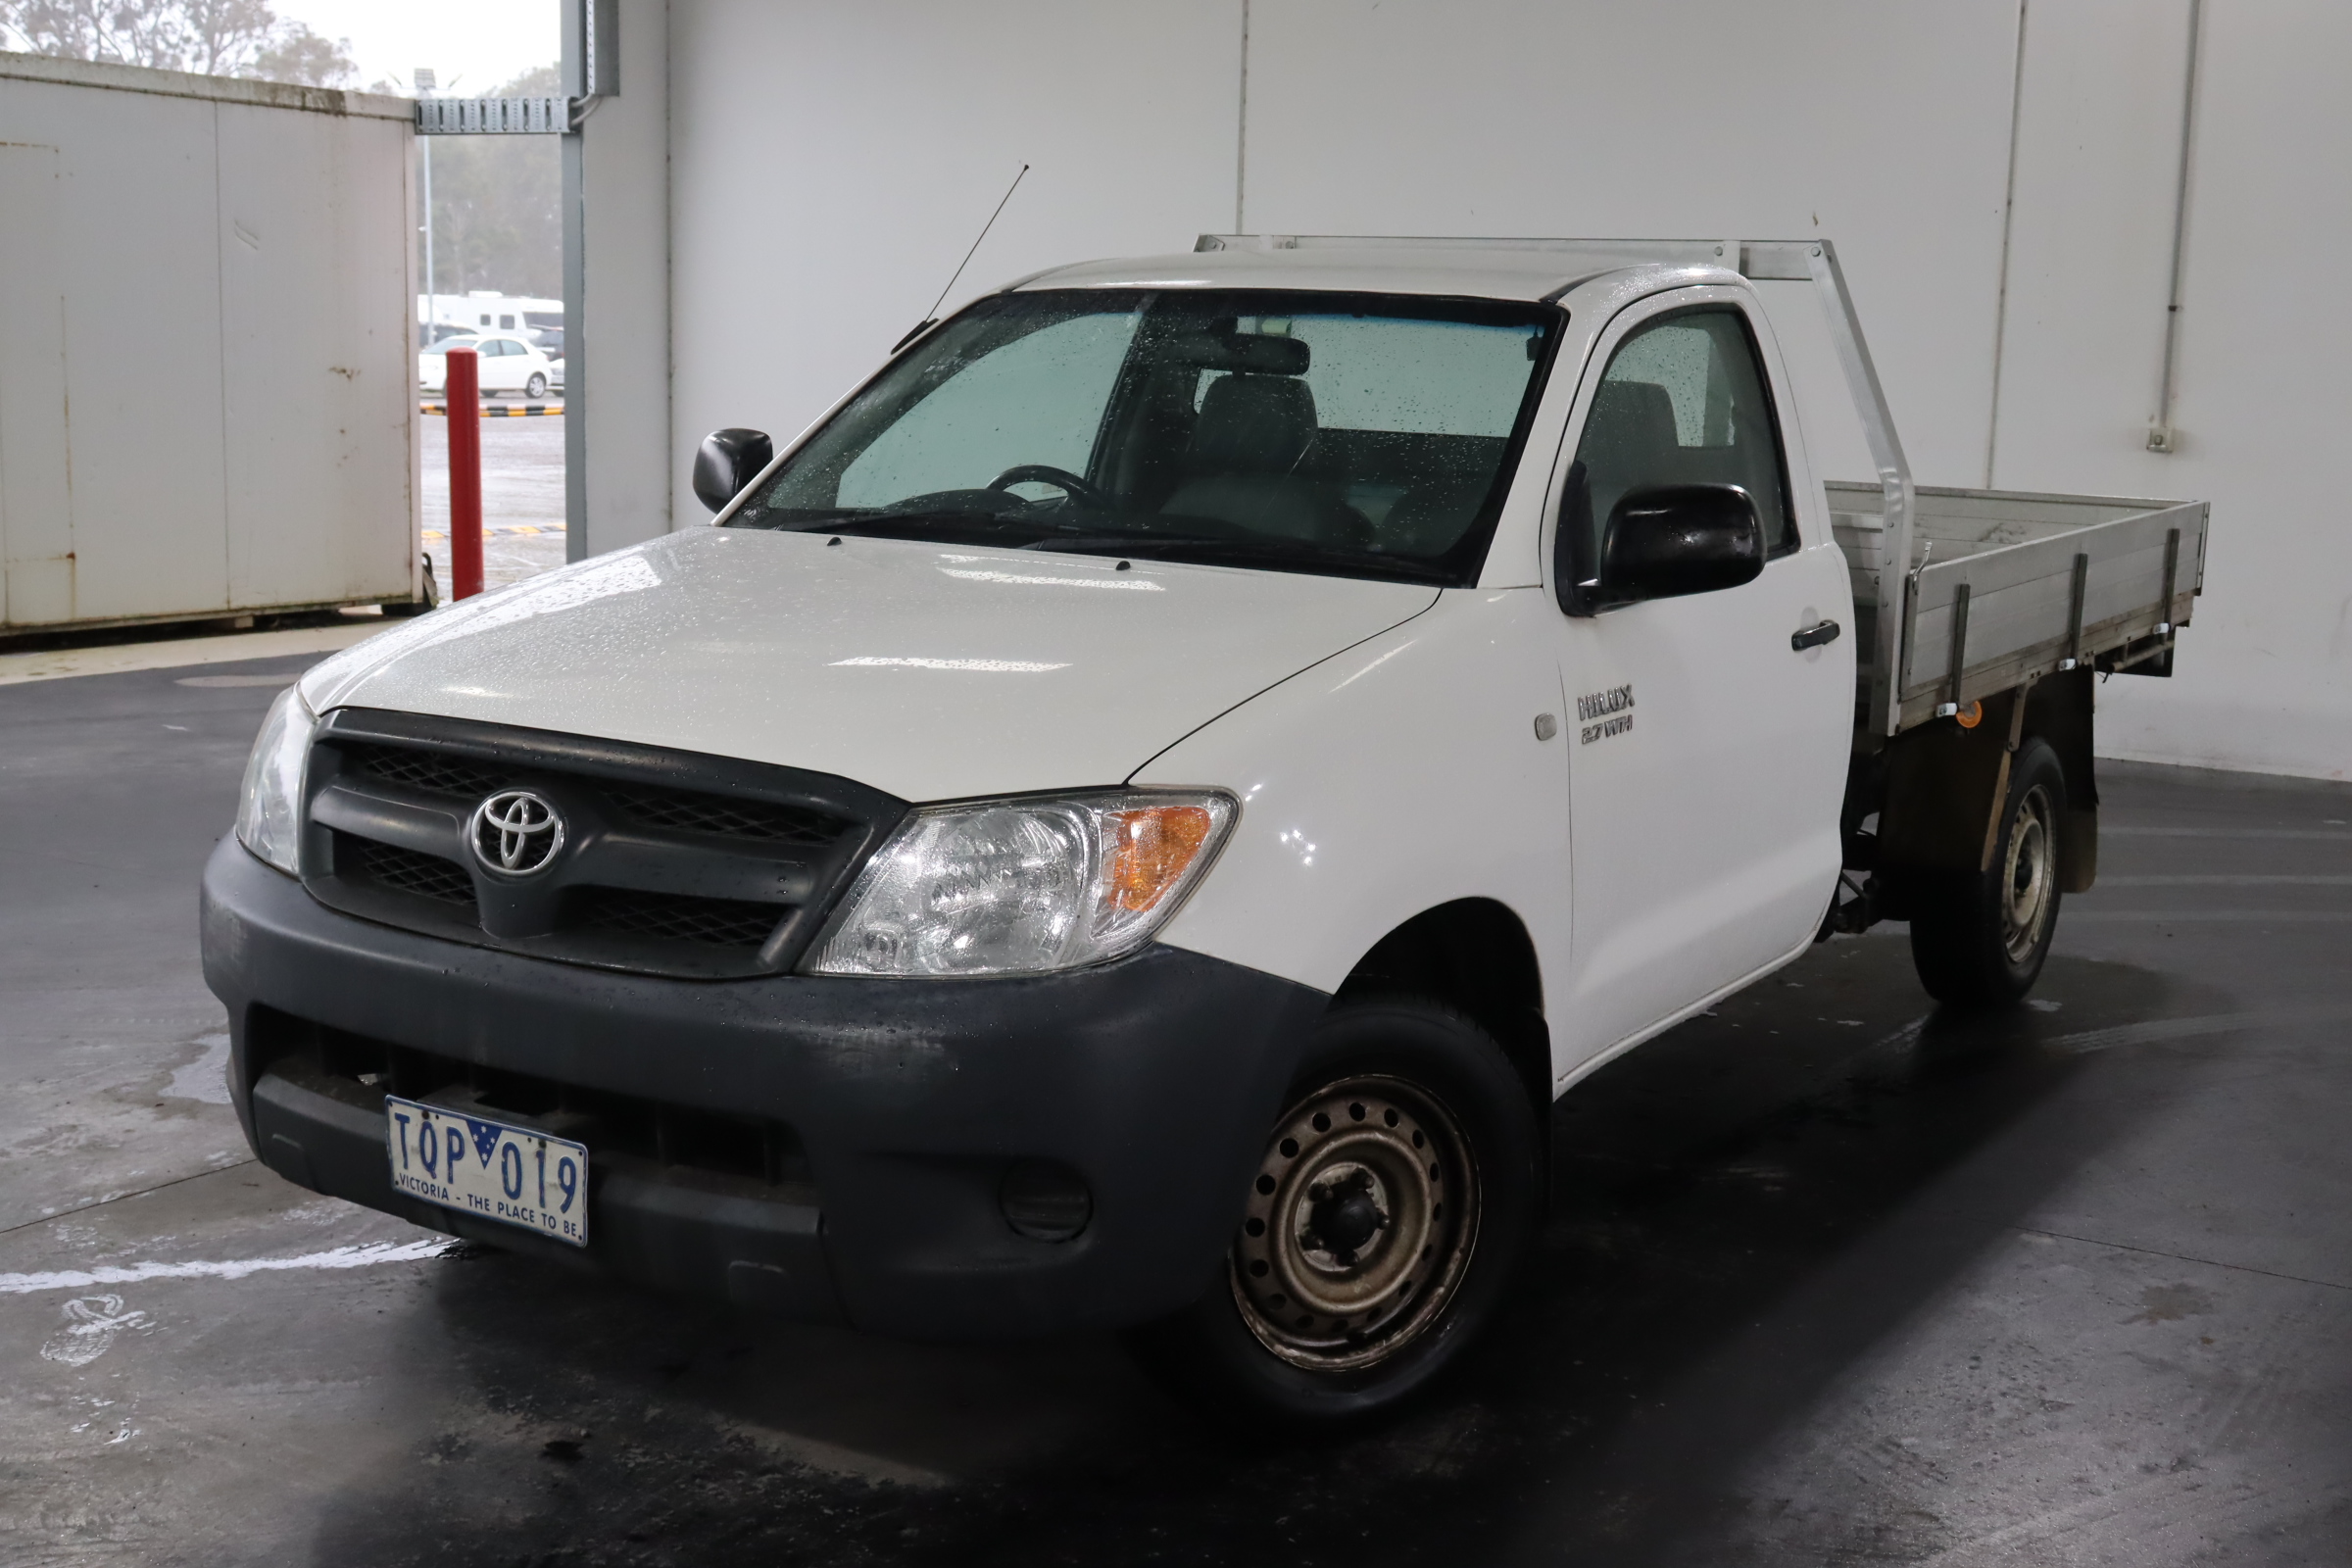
[{"x": 1170, "y": 903}]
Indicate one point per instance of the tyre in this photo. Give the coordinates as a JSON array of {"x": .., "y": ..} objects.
[
  {"x": 536, "y": 387},
  {"x": 1979, "y": 939},
  {"x": 1397, "y": 1192}
]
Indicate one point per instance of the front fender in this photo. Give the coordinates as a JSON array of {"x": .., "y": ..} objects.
[{"x": 1402, "y": 774}]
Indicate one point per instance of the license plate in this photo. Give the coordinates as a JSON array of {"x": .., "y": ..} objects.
[{"x": 479, "y": 1166}]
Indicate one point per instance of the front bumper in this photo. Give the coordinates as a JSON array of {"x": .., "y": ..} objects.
[{"x": 1155, "y": 1078}]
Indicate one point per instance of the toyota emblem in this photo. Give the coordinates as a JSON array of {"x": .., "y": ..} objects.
[{"x": 516, "y": 833}]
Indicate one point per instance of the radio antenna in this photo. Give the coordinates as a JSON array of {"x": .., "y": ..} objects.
[{"x": 931, "y": 316}]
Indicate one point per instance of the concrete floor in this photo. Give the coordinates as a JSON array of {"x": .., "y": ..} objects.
[
  {"x": 522, "y": 488},
  {"x": 1830, "y": 1278}
]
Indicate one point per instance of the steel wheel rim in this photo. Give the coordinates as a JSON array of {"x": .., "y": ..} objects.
[
  {"x": 2028, "y": 879},
  {"x": 1359, "y": 1226}
]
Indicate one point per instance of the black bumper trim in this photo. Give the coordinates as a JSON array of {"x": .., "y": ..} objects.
[{"x": 1155, "y": 1078}]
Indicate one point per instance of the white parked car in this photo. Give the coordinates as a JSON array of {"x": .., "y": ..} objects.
[
  {"x": 504, "y": 365},
  {"x": 1134, "y": 818}
]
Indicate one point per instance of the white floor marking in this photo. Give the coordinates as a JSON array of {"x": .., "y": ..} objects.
[
  {"x": 2225, "y": 882},
  {"x": 207, "y": 1077},
  {"x": 2221, "y": 833},
  {"x": 91, "y": 1324},
  {"x": 2156, "y": 1030},
  {"x": 373, "y": 1252},
  {"x": 2208, "y": 917},
  {"x": 175, "y": 652}
]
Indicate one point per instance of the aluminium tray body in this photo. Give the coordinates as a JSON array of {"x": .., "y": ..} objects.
[{"x": 2008, "y": 586}]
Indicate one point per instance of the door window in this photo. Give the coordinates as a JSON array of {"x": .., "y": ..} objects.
[{"x": 1684, "y": 401}]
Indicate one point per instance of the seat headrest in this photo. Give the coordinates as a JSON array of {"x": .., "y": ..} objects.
[
  {"x": 1253, "y": 424},
  {"x": 1631, "y": 427}
]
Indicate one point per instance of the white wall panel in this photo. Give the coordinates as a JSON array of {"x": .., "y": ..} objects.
[
  {"x": 36, "y": 488},
  {"x": 1882, "y": 127},
  {"x": 138, "y": 253},
  {"x": 227, "y": 262},
  {"x": 621, "y": 445},
  {"x": 2264, "y": 674},
  {"x": 316, "y": 376},
  {"x": 831, "y": 164}
]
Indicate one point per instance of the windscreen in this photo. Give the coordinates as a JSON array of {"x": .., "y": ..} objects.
[{"x": 1353, "y": 434}]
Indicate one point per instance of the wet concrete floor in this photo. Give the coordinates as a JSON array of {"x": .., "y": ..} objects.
[
  {"x": 1829, "y": 1278},
  {"x": 522, "y": 495}
]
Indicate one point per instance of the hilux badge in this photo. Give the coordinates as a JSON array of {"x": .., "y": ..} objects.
[{"x": 516, "y": 833}]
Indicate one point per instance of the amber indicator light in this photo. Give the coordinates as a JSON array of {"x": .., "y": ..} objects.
[{"x": 1149, "y": 849}]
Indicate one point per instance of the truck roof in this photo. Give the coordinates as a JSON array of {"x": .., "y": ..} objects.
[{"x": 1532, "y": 269}]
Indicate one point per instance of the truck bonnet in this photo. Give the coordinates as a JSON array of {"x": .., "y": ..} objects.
[{"x": 933, "y": 673}]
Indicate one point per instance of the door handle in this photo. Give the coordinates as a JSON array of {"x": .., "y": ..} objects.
[{"x": 1814, "y": 636}]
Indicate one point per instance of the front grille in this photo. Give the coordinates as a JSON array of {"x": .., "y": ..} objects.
[
  {"x": 427, "y": 876},
  {"x": 689, "y": 811},
  {"x": 672, "y": 863},
  {"x": 672, "y": 917},
  {"x": 682, "y": 811},
  {"x": 361, "y": 1070},
  {"x": 433, "y": 772}
]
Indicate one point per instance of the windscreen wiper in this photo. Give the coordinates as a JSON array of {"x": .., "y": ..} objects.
[{"x": 1275, "y": 554}]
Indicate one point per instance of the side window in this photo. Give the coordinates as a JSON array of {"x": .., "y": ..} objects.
[{"x": 1684, "y": 401}]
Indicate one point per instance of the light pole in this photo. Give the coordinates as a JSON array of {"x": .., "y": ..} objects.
[{"x": 425, "y": 84}]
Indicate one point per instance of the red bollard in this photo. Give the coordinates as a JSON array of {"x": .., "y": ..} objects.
[{"x": 462, "y": 391}]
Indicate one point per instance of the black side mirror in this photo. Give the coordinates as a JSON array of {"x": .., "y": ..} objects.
[
  {"x": 1664, "y": 541},
  {"x": 728, "y": 461}
]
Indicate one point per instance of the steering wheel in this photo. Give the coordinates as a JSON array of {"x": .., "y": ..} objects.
[{"x": 1061, "y": 479}]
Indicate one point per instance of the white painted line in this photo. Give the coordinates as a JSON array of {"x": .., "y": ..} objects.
[
  {"x": 123, "y": 657},
  {"x": 2305, "y": 834},
  {"x": 75, "y": 1279},
  {"x": 2225, "y": 882},
  {"x": 2208, "y": 917},
  {"x": 2157, "y": 1030}
]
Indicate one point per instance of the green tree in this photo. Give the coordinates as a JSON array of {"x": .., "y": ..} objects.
[
  {"x": 211, "y": 37},
  {"x": 498, "y": 213}
]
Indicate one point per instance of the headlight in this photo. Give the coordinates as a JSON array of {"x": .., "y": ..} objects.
[
  {"x": 269, "y": 813},
  {"x": 1022, "y": 887}
]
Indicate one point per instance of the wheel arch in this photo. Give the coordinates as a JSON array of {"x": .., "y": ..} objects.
[{"x": 1473, "y": 954}]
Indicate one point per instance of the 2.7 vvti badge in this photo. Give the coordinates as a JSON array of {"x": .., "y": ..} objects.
[{"x": 1089, "y": 838}]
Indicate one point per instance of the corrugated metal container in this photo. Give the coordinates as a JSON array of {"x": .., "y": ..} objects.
[{"x": 207, "y": 374}]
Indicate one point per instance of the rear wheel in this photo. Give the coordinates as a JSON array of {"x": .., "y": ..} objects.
[
  {"x": 536, "y": 387},
  {"x": 1394, "y": 1196},
  {"x": 1979, "y": 939}
]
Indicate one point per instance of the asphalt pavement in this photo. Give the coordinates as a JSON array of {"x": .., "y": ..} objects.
[
  {"x": 522, "y": 495},
  {"x": 1829, "y": 1277}
]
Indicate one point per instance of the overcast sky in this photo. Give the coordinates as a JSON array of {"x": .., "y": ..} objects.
[{"x": 475, "y": 45}]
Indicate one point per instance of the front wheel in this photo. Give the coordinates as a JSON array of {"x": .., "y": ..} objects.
[
  {"x": 1979, "y": 939},
  {"x": 536, "y": 387},
  {"x": 1396, "y": 1195}
]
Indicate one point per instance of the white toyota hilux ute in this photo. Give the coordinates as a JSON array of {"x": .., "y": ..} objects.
[{"x": 1133, "y": 818}]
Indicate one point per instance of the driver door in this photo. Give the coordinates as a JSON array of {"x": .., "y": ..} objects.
[{"x": 1706, "y": 755}]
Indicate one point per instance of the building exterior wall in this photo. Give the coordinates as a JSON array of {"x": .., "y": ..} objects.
[
  {"x": 830, "y": 164},
  {"x": 207, "y": 388},
  {"x": 619, "y": 440}
]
